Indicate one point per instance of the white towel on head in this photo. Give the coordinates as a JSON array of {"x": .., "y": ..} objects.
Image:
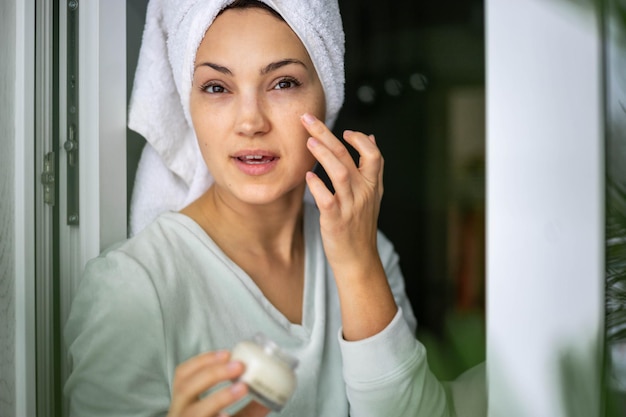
[{"x": 159, "y": 105}]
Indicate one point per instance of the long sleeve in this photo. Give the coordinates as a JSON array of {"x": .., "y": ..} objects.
[
  {"x": 388, "y": 375},
  {"x": 116, "y": 344},
  {"x": 150, "y": 304}
]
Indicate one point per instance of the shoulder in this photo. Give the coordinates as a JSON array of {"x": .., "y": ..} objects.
[
  {"x": 126, "y": 272},
  {"x": 168, "y": 230},
  {"x": 121, "y": 285},
  {"x": 115, "y": 300},
  {"x": 168, "y": 258},
  {"x": 156, "y": 248}
]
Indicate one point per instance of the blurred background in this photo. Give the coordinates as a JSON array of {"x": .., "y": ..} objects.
[
  {"x": 615, "y": 82},
  {"x": 415, "y": 77}
]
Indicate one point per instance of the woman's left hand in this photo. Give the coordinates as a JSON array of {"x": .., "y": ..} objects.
[
  {"x": 349, "y": 224},
  {"x": 348, "y": 217}
]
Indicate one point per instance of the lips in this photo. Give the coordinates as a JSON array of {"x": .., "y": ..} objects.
[
  {"x": 255, "y": 162},
  {"x": 256, "y": 159}
]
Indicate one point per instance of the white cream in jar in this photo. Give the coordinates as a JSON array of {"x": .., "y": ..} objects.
[{"x": 269, "y": 371}]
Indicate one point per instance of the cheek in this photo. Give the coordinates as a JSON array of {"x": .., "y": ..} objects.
[
  {"x": 206, "y": 124},
  {"x": 311, "y": 100},
  {"x": 318, "y": 102},
  {"x": 206, "y": 133},
  {"x": 320, "y": 108},
  {"x": 202, "y": 134},
  {"x": 197, "y": 119}
]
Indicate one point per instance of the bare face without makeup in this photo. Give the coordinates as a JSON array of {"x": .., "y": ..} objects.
[{"x": 253, "y": 80}]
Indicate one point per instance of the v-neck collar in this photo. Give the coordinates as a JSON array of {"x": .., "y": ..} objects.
[{"x": 313, "y": 269}]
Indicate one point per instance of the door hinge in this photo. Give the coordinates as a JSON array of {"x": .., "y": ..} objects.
[
  {"x": 73, "y": 131},
  {"x": 48, "y": 178}
]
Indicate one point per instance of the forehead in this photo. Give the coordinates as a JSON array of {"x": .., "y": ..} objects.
[{"x": 251, "y": 33}]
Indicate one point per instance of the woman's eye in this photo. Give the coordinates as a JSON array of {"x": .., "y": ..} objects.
[
  {"x": 213, "y": 89},
  {"x": 286, "y": 83}
]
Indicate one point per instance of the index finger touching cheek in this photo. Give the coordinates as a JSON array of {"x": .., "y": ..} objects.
[{"x": 313, "y": 125}]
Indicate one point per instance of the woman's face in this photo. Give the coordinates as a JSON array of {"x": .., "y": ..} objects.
[{"x": 253, "y": 80}]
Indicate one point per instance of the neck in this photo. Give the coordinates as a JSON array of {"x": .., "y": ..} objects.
[{"x": 266, "y": 229}]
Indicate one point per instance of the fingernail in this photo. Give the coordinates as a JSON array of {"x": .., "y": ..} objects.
[
  {"x": 237, "y": 388},
  {"x": 308, "y": 118},
  {"x": 221, "y": 354},
  {"x": 373, "y": 138},
  {"x": 234, "y": 366},
  {"x": 312, "y": 141}
]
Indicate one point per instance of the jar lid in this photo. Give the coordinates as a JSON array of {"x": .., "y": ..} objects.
[{"x": 272, "y": 349}]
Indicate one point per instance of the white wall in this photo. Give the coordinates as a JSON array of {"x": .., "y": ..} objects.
[
  {"x": 545, "y": 208},
  {"x": 17, "y": 321},
  {"x": 7, "y": 237}
]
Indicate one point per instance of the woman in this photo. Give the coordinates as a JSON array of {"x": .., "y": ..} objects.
[{"x": 154, "y": 318}]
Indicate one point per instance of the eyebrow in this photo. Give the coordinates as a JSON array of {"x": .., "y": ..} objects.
[
  {"x": 273, "y": 66},
  {"x": 279, "y": 64}
]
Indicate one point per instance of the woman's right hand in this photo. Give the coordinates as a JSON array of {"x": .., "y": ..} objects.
[{"x": 202, "y": 372}]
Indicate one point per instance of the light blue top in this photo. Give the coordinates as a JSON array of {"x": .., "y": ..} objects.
[{"x": 170, "y": 293}]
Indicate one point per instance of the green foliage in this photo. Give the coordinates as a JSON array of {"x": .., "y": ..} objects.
[{"x": 461, "y": 346}]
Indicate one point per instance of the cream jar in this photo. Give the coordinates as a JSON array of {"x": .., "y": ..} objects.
[{"x": 270, "y": 372}]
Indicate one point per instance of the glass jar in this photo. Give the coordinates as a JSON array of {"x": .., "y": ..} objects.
[{"x": 270, "y": 371}]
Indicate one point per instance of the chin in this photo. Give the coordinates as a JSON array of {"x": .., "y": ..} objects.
[{"x": 266, "y": 196}]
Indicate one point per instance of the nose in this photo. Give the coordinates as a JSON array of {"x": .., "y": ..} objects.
[{"x": 252, "y": 119}]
